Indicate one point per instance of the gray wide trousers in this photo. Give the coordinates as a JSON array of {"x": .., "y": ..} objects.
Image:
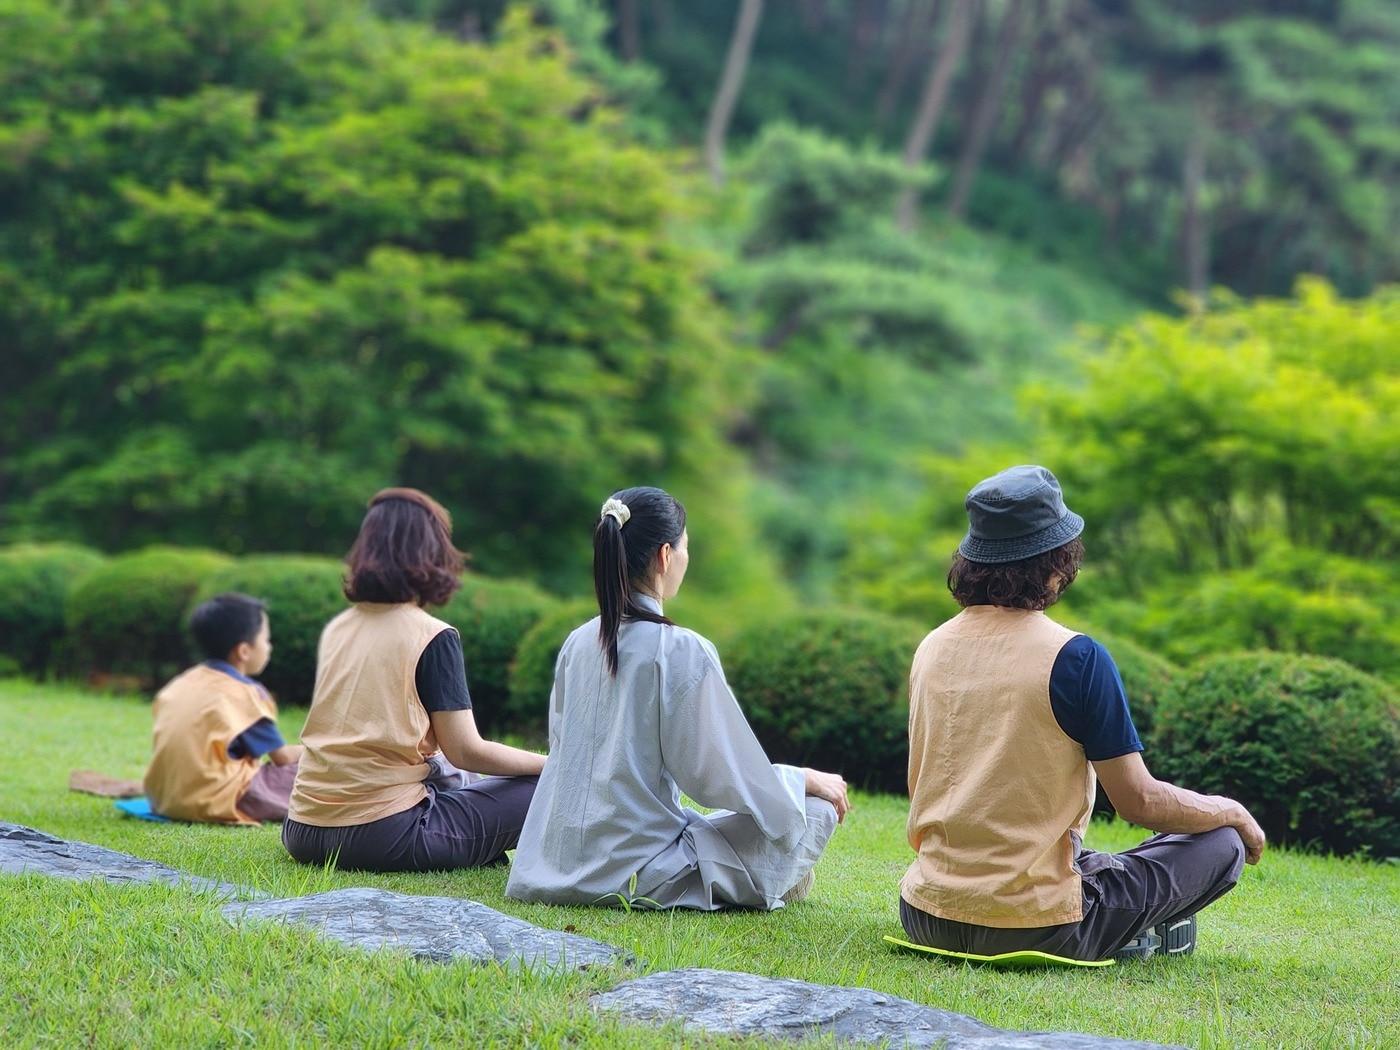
[{"x": 1163, "y": 880}]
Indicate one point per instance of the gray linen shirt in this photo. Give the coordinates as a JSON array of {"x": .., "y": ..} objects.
[{"x": 606, "y": 820}]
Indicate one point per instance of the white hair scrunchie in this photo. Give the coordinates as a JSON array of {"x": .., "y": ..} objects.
[{"x": 617, "y": 509}]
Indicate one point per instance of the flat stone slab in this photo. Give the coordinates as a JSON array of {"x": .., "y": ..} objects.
[
  {"x": 744, "y": 1004},
  {"x": 439, "y": 929},
  {"x": 24, "y": 849}
]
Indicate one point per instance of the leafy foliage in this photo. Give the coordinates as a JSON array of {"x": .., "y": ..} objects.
[
  {"x": 36, "y": 580},
  {"x": 493, "y": 616},
  {"x": 303, "y": 593},
  {"x": 829, "y": 690},
  {"x": 1309, "y": 745},
  {"x": 257, "y": 260},
  {"x": 1239, "y": 470},
  {"x": 532, "y": 673},
  {"x": 128, "y": 615}
]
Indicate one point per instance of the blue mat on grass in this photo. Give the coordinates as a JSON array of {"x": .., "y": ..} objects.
[{"x": 140, "y": 808}]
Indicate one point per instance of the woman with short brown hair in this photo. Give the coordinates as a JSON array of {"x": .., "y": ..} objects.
[{"x": 379, "y": 788}]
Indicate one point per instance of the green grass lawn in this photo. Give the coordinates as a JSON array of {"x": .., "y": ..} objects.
[{"x": 1305, "y": 952}]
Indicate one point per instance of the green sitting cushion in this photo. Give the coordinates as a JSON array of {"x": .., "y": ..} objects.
[{"x": 1027, "y": 960}]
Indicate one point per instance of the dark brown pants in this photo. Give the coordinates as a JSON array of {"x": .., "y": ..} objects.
[
  {"x": 464, "y": 827},
  {"x": 1166, "y": 878}
]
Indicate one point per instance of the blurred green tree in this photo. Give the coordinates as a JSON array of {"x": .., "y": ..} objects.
[
  {"x": 1239, "y": 470},
  {"x": 258, "y": 259}
]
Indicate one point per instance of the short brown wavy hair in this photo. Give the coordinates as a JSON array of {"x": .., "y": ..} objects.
[
  {"x": 404, "y": 551},
  {"x": 1026, "y": 584}
]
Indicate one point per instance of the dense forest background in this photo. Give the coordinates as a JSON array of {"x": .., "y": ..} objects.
[{"x": 817, "y": 266}]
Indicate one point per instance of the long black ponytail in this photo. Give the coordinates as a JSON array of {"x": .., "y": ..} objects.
[{"x": 633, "y": 525}]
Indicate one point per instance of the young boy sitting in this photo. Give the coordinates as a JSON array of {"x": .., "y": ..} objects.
[{"x": 214, "y": 724}]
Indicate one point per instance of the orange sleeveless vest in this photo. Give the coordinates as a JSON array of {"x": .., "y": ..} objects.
[
  {"x": 197, "y": 716},
  {"x": 367, "y": 737},
  {"x": 999, "y": 795}
]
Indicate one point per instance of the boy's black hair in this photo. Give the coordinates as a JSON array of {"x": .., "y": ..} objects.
[{"x": 225, "y": 620}]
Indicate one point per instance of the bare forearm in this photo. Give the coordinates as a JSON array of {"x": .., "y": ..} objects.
[
  {"x": 499, "y": 760},
  {"x": 1167, "y": 808}
]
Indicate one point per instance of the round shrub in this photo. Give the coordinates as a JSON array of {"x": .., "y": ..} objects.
[
  {"x": 128, "y": 616},
  {"x": 303, "y": 593},
  {"x": 36, "y": 580},
  {"x": 492, "y": 616},
  {"x": 1309, "y": 744},
  {"x": 532, "y": 674},
  {"x": 830, "y": 690}
]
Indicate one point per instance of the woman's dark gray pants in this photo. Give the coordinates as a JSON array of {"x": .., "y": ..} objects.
[
  {"x": 1166, "y": 878},
  {"x": 463, "y": 827}
]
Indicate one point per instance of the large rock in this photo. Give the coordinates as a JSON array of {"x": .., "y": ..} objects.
[
  {"x": 746, "y": 1004},
  {"x": 23, "y": 849},
  {"x": 441, "y": 929}
]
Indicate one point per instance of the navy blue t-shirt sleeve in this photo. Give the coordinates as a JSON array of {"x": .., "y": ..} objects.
[
  {"x": 1089, "y": 701},
  {"x": 260, "y": 738},
  {"x": 441, "y": 674}
]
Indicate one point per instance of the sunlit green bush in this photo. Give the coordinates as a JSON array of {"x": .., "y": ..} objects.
[
  {"x": 1310, "y": 745},
  {"x": 532, "y": 673},
  {"x": 493, "y": 616},
  {"x": 829, "y": 690},
  {"x": 128, "y": 616},
  {"x": 35, "y": 580}
]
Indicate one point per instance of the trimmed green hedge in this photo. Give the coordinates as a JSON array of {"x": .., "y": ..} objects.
[
  {"x": 302, "y": 592},
  {"x": 128, "y": 616},
  {"x": 830, "y": 690},
  {"x": 532, "y": 674},
  {"x": 493, "y": 616},
  {"x": 36, "y": 580},
  {"x": 1309, "y": 744}
]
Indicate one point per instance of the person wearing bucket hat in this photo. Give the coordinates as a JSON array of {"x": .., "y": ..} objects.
[{"x": 1012, "y": 721}]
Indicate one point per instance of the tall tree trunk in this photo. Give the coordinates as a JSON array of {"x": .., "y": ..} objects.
[
  {"x": 940, "y": 77},
  {"x": 736, "y": 64},
  {"x": 629, "y": 30},
  {"x": 987, "y": 108},
  {"x": 868, "y": 19},
  {"x": 1194, "y": 237},
  {"x": 1038, "y": 79},
  {"x": 913, "y": 38}
]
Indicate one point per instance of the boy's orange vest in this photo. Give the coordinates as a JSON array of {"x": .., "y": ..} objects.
[
  {"x": 367, "y": 737},
  {"x": 999, "y": 795},
  {"x": 197, "y": 716}
]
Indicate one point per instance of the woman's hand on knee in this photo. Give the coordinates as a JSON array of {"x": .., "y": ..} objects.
[{"x": 829, "y": 786}]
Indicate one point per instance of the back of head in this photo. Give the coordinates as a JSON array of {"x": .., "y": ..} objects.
[
  {"x": 633, "y": 525},
  {"x": 224, "y": 622},
  {"x": 404, "y": 551},
  {"x": 1022, "y": 548}
]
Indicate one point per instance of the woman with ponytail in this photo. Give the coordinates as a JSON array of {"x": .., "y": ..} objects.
[
  {"x": 378, "y": 787},
  {"x": 640, "y": 712}
]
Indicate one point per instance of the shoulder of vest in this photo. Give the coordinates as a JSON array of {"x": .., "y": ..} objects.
[{"x": 1054, "y": 627}]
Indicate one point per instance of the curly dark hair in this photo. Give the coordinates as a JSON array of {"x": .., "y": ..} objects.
[
  {"x": 1026, "y": 584},
  {"x": 404, "y": 551}
]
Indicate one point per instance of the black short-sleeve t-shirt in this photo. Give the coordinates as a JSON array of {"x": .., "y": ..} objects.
[
  {"x": 1089, "y": 701},
  {"x": 441, "y": 674}
]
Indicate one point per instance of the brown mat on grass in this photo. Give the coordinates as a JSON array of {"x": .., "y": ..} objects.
[{"x": 90, "y": 783}]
